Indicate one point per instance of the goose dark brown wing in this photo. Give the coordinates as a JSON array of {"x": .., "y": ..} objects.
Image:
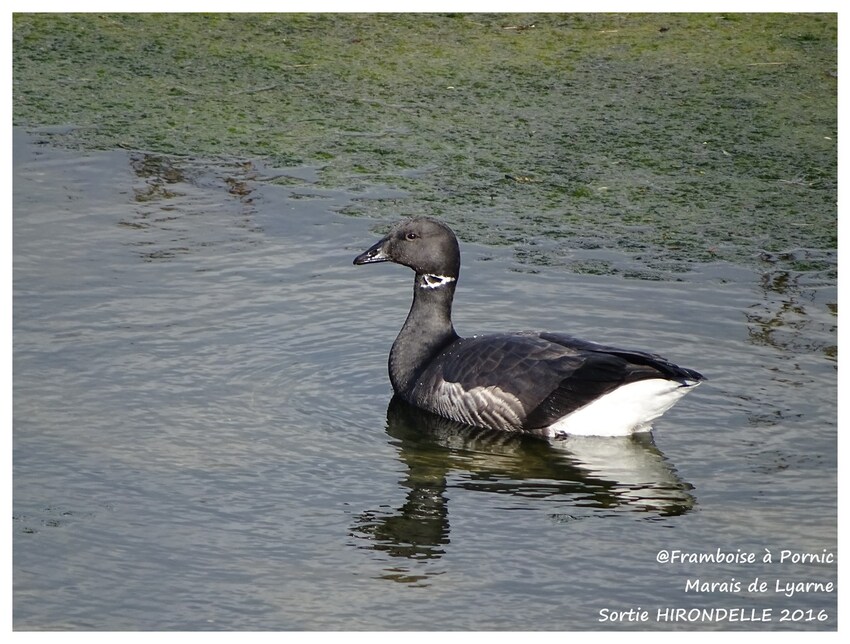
[
  {"x": 527, "y": 380},
  {"x": 664, "y": 367}
]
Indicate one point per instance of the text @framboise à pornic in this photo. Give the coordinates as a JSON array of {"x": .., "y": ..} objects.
[{"x": 738, "y": 588}]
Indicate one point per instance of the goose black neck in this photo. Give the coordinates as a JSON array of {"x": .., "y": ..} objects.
[{"x": 427, "y": 330}]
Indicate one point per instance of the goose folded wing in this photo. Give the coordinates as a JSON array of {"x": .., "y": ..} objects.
[{"x": 527, "y": 380}]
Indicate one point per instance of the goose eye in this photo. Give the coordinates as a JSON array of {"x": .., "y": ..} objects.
[{"x": 411, "y": 236}]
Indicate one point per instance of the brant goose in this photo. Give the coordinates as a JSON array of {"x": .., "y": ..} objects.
[{"x": 547, "y": 384}]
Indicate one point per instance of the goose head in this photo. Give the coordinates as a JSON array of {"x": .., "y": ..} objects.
[{"x": 426, "y": 245}]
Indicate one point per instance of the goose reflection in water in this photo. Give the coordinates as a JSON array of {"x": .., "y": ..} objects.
[{"x": 588, "y": 475}]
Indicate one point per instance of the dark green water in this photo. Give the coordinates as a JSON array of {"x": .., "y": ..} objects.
[{"x": 675, "y": 138}]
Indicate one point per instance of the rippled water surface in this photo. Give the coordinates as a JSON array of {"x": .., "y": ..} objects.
[{"x": 204, "y": 436}]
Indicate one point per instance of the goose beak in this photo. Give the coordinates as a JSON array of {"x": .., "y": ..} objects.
[{"x": 373, "y": 255}]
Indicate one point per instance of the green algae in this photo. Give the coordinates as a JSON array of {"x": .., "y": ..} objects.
[{"x": 680, "y": 137}]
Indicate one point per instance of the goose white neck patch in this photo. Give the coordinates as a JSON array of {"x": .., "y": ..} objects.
[{"x": 435, "y": 281}]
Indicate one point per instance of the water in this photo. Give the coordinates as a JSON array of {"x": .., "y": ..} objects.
[{"x": 204, "y": 436}]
